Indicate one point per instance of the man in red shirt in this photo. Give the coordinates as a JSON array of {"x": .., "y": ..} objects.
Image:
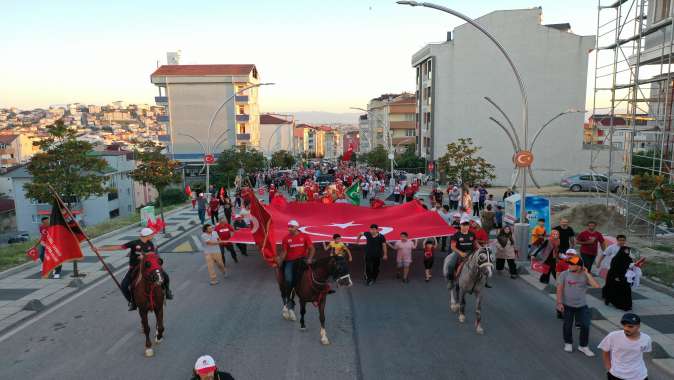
[
  {"x": 225, "y": 232},
  {"x": 272, "y": 192},
  {"x": 590, "y": 240},
  {"x": 296, "y": 247},
  {"x": 214, "y": 207},
  {"x": 44, "y": 225}
]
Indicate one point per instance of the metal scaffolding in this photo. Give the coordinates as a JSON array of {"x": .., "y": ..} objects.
[{"x": 630, "y": 131}]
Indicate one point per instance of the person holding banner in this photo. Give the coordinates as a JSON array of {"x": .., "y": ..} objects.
[
  {"x": 44, "y": 226},
  {"x": 136, "y": 248}
]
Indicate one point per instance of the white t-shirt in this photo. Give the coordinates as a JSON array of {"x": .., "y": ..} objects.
[
  {"x": 208, "y": 248},
  {"x": 475, "y": 196},
  {"x": 627, "y": 356}
]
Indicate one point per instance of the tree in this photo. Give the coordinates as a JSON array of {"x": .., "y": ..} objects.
[
  {"x": 462, "y": 164},
  {"x": 377, "y": 157},
  {"x": 67, "y": 164},
  {"x": 410, "y": 161},
  {"x": 231, "y": 160},
  {"x": 155, "y": 169},
  {"x": 282, "y": 159},
  {"x": 645, "y": 162},
  {"x": 659, "y": 195}
]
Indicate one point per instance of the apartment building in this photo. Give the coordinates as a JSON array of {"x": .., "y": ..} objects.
[
  {"x": 454, "y": 76},
  {"x": 276, "y": 133},
  {"x": 191, "y": 94}
]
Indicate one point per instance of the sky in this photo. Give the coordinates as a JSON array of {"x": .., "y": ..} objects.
[{"x": 323, "y": 55}]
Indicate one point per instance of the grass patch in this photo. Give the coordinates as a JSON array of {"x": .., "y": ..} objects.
[
  {"x": 662, "y": 270},
  {"x": 15, "y": 254},
  {"x": 664, "y": 248}
]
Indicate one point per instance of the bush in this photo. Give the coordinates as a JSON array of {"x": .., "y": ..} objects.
[{"x": 173, "y": 196}]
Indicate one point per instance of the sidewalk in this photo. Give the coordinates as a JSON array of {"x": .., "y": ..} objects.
[
  {"x": 655, "y": 308},
  {"x": 23, "y": 293}
]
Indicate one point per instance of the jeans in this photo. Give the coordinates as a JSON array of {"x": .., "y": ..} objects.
[
  {"x": 443, "y": 243},
  {"x": 587, "y": 261},
  {"x": 582, "y": 316},
  {"x": 476, "y": 209},
  {"x": 289, "y": 270},
  {"x": 453, "y": 259},
  {"x": 372, "y": 267},
  {"x": 57, "y": 270},
  {"x": 215, "y": 217},
  {"x": 202, "y": 215},
  {"x": 231, "y": 250}
]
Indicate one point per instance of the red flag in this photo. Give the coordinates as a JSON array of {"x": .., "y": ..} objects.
[
  {"x": 222, "y": 191},
  {"x": 150, "y": 224},
  {"x": 540, "y": 267},
  {"x": 376, "y": 203},
  {"x": 61, "y": 242},
  {"x": 188, "y": 191},
  {"x": 33, "y": 253},
  {"x": 348, "y": 153},
  {"x": 262, "y": 230},
  {"x": 159, "y": 225}
]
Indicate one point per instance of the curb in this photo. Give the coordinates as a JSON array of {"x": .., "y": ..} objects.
[
  {"x": 659, "y": 357},
  {"x": 78, "y": 289},
  {"x": 21, "y": 267}
]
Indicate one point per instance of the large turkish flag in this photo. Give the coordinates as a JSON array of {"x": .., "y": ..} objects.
[{"x": 320, "y": 221}]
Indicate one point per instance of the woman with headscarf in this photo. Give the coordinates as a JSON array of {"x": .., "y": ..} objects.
[
  {"x": 504, "y": 247},
  {"x": 549, "y": 253},
  {"x": 617, "y": 290}
]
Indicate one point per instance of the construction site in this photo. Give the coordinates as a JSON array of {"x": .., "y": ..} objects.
[{"x": 630, "y": 131}]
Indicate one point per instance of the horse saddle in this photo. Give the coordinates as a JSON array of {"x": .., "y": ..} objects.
[{"x": 459, "y": 267}]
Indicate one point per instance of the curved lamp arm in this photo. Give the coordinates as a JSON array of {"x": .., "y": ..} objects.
[
  {"x": 203, "y": 149},
  {"x": 523, "y": 93},
  {"x": 533, "y": 141},
  {"x": 510, "y": 123},
  {"x": 272, "y": 135},
  {"x": 510, "y": 137}
]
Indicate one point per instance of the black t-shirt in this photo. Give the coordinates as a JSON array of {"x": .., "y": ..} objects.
[
  {"x": 136, "y": 247},
  {"x": 464, "y": 242},
  {"x": 374, "y": 245},
  {"x": 565, "y": 235}
]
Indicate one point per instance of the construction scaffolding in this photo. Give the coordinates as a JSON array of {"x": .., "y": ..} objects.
[{"x": 630, "y": 131}]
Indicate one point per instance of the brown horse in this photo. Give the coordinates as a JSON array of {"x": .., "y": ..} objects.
[
  {"x": 312, "y": 286},
  {"x": 148, "y": 294}
]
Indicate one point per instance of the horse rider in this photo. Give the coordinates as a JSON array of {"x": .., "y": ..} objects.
[
  {"x": 463, "y": 244},
  {"x": 137, "y": 247},
  {"x": 297, "y": 246}
]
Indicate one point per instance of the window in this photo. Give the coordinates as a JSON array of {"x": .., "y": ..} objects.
[
  {"x": 600, "y": 132},
  {"x": 241, "y": 127},
  {"x": 242, "y": 110},
  {"x": 585, "y": 178},
  {"x": 114, "y": 213},
  {"x": 36, "y": 219},
  {"x": 430, "y": 69},
  {"x": 662, "y": 9},
  {"x": 600, "y": 178},
  {"x": 409, "y": 132}
]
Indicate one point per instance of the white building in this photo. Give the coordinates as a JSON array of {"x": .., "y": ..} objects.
[
  {"x": 276, "y": 134},
  {"x": 364, "y": 134},
  {"x": 454, "y": 76}
]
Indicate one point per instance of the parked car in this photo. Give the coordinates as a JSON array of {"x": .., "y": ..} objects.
[
  {"x": 19, "y": 238},
  {"x": 589, "y": 182}
]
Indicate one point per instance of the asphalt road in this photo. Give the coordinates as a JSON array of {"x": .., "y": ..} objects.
[{"x": 388, "y": 331}]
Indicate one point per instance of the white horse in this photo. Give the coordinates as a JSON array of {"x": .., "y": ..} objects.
[{"x": 478, "y": 267}]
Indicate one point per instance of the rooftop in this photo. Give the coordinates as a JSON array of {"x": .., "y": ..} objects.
[
  {"x": 271, "y": 119},
  {"x": 205, "y": 70}
]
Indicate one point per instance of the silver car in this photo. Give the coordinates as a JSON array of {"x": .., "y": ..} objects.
[{"x": 589, "y": 182}]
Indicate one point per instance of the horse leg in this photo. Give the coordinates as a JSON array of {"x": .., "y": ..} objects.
[
  {"x": 321, "y": 316},
  {"x": 146, "y": 330},
  {"x": 453, "y": 295},
  {"x": 462, "y": 305},
  {"x": 159, "y": 314},
  {"x": 478, "y": 312},
  {"x": 291, "y": 306},
  {"x": 303, "y": 310}
]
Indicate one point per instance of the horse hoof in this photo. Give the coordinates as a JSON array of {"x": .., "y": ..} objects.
[
  {"x": 285, "y": 313},
  {"x": 325, "y": 341},
  {"x": 462, "y": 318},
  {"x": 149, "y": 352},
  {"x": 157, "y": 340},
  {"x": 479, "y": 330},
  {"x": 292, "y": 315},
  {"x": 454, "y": 308}
]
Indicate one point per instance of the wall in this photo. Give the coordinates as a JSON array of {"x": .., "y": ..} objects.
[{"x": 281, "y": 140}]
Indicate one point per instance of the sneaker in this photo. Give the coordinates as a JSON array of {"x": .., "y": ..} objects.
[
  {"x": 214, "y": 282},
  {"x": 56, "y": 276},
  {"x": 586, "y": 351},
  {"x": 169, "y": 294},
  {"x": 132, "y": 306},
  {"x": 568, "y": 347}
]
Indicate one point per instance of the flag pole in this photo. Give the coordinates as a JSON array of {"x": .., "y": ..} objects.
[{"x": 62, "y": 205}]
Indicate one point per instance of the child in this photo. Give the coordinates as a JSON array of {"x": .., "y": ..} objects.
[
  {"x": 538, "y": 233},
  {"x": 403, "y": 248},
  {"x": 340, "y": 252},
  {"x": 429, "y": 246}
]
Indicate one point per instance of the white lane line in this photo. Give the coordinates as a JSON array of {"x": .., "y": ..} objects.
[
  {"x": 52, "y": 309},
  {"x": 202, "y": 268},
  {"x": 120, "y": 343},
  {"x": 184, "y": 285}
]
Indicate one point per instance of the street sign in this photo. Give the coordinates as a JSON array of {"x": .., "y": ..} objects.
[
  {"x": 431, "y": 166},
  {"x": 523, "y": 159},
  {"x": 209, "y": 159},
  {"x": 390, "y": 156}
]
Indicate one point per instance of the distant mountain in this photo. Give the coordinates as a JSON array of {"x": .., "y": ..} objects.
[{"x": 318, "y": 117}]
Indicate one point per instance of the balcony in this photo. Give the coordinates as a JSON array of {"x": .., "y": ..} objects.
[
  {"x": 402, "y": 125},
  {"x": 241, "y": 98},
  {"x": 243, "y": 136},
  {"x": 161, "y": 100},
  {"x": 163, "y": 118},
  {"x": 242, "y": 118}
]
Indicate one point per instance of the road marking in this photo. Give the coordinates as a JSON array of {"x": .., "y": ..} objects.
[
  {"x": 183, "y": 247},
  {"x": 120, "y": 343},
  {"x": 183, "y": 285},
  {"x": 202, "y": 268},
  {"x": 197, "y": 243}
]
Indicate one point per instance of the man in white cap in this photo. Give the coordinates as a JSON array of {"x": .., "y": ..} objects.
[
  {"x": 205, "y": 369},
  {"x": 136, "y": 248},
  {"x": 463, "y": 243},
  {"x": 296, "y": 247}
]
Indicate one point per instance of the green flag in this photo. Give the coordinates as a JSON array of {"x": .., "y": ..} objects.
[{"x": 353, "y": 193}]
